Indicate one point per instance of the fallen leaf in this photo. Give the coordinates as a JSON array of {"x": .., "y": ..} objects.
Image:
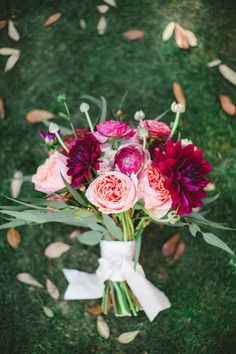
[
  {"x": 102, "y": 9},
  {"x": 16, "y": 184},
  {"x": 11, "y": 61},
  {"x": 12, "y": 31},
  {"x": 210, "y": 187},
  {"x": 52, "y": 289},
  {"x": 127, "y": 337},
  {"x": 96, "y": 310},
  {"x": 228, "y": 73},
  {"x": 169, "y": 246},
  {"x": 56, "y": 249},
  {"x": 102, "y": 327},
  {"x": 227, "y": 105},
  {"x": 184, "y": 38},
  {"x": 179, "y": 250},
  {"x": 2, "y": 109},
  {"x": 52, "y": 19},
  {"x": 111, "y": 2},
  {"x": 213, "y": 63},
  {"x": 13, "y": 237},
  {"x": 8, "y": 51},
  {"x": 178, "y": 93},
  {"x": 74, "y": 234},
  {"x": 133, "y": 35},
  {"x": 38, "y": 115},
  {"x": 82, "y": 24},
  {"x": 48, "y": 312},
  {"x": 102, "y": 25},
  {"x": 3, "y": 24},
  {"x": 168, "y": 31},
  {"x": 28, "y": 279}
]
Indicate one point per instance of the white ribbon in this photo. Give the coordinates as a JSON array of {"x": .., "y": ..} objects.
[{"x": 116, "y": 264}]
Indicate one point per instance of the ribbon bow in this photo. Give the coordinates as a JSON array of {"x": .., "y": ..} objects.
[{"x": 116, "y": 264}]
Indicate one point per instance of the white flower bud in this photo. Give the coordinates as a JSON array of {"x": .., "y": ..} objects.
[
  {"x": 84, "y": 107},
  {"x": 143, "y": 133},
  {"x": 178, "y": 107},
  {"x": 139, "y": 115},
  {"x": 53, "y": 128}
]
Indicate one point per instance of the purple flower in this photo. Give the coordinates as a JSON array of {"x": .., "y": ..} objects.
[
  {"x": 83, "y": 156},
  {"x": 132, "y": 158},
  {"x": 113, "y": 129},
  {"x": 185, "y": 171},
  {"x": 48, "y": 137}
]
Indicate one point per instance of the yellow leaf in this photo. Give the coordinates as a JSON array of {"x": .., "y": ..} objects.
[
  {"x": 102, "y": 25},
  {"x": 11, "y": 61},
  {"x": 2, "y": 109},
  {"x": 38, "y": 115},
  {"x": 13, "y": 237},
  {"x": 12, "y": 31},
  {"x": 168, "y": 31},
  {"x": 111, "y": 2},
  {"x": 16, "y": 184},
  {"x": 127, "y": 337},
  {"x": 184, "y": 38},
  {"x": 133, "y": 35},
  {"x": 227, "y": 105},
  {"x": 228, "y": 73},
  {"x": 52, "y": 289},
  {"x": 56, "y": 249},
  {"x": 102, "y": 327},
  {"x": 102, "y": 9},
  {"x": 47, "y": 311},
  {"x": 8, "y": 51},
  {"x": 52, "y": 19},
  {"x": 28, "y": 279},
  {"x": 3, "y": 24},
  {"x": 178, "y": 93}
]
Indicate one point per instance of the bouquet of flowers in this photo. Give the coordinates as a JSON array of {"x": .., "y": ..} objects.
[{"x": 114, "y": 179}]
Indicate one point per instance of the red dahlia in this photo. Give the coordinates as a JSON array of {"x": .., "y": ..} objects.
[
  {"x": 185, "y": 170},
  {"x": 83, "y": 156}
]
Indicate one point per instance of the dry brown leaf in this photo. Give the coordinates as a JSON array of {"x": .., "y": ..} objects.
[
  {"x": 102, "y": 25},
  {"x": 111, "y": 2},
  {"x": 133, "y": 35},
  {"x": 96, "y": 310},
  {"x": 184, "y": 38},
  {"x": 48, "y": 312},
  {"x": 178, "y": 93},
  {"x": 213, "y": 63},
  {"x": 82, "y": 24},
  {"x": 28, "y": 279},
  {"x": 179, "y": 250},
  {"x": 228, "y": 73},
  {"x": 102, "y": 327},
  {"x": 227, "y": 105},
  {"x": 52, "y": 289},
  {"x": 3, "y": 24},
  {"x": 56, "y": 249},
  {"x": 168, "y": 31},
  {"x": 38, "y": 115},
  {"x": 8, "y": 51},
  {"x": 2, "y": 109},
  {"x": 52, "y": 19},
  {"x": 16, "y": 184},
  {"x": 74, "y": 234},
  {"x": 13, "y": 237},
  {"x": 12, "y": 31},
  {"x": 127, "y": 337},
  {"x": 102, "y": 9},
  {"x": 11, "y": 61},
  {"x": 169, "y": 246}
]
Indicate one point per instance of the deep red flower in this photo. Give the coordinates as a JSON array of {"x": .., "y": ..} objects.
[
  {"x": 185, "y": 170},
  {"x": 83, "y": 156},
  {"x": 69, "y": 140}
]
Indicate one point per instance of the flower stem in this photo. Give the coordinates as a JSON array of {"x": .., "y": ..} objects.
[
  {"x": 89, "y": 121},
  {"x": 70, "y": 119},
  {"x": 175, "y": 125},
  {"x": 61, "y": 142}
]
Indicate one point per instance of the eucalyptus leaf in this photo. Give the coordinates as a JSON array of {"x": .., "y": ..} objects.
[
  {"x": 112, "y": 228},
  {"x": 74, "y": 193},
  {"x": 95, "y": 100},
  {"x": 199, "y": 219},
  {"x": 215, "y": 241},
  {"x": 14, "y": 223},
  {"x": 161, "y": 115},
  {"x": 103, "y": 110},
  {"x": 210, "y": 199},
  {"x": 47, "y": 203},
  {"x": 27, "y": 215},
  {"x": 90, "y": 238},
  {"x": 194, "y": 228},
  {"x": 24, "y": 203}
]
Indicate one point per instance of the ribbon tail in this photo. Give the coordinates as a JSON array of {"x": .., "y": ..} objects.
[
  {"x": 150, "y": 298},
  {"x": 82, "y": 285}
]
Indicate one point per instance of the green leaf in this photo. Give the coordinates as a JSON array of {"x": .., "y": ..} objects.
[
  {"x": 14, "y": 223},
  {"x": 95, "y": 100},
  {"x": 199, "y": 219},
  {"x": 74, "y": 193},
  {"x": 112, "y": 228},
  {"x": 162, "y": 115},
  {"x": 23, "y": 203},
  {"x": 103, "y": 110},
  {"x": 47, "y": 203},
  {"x": 29, "y": 215},
  {"x": 90, "y": 238},
  {"x": 194, "y": 228},
  {"x": 215, "y": 241},
  {"x": 210, "y": 199}
]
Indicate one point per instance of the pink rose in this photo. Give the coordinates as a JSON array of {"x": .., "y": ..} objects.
[
  {"x": 156, "y": 198},
  {"x": 156, "y": 130},
  {"x": 113, "y": 192},
  {"x": 132, "y": 158},
  {"x": 48, "y": 176},
  {"x": 113, "y": 129}
]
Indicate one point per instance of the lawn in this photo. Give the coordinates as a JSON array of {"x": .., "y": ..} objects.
[{"x": 65, "y": 58}]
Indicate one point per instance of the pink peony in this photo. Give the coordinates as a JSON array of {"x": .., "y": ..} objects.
[
  {"x": 156, "y": 130},
  {"x": 48, "y": 176},
  {"x": 113, "y": 192},
  {"x": 113, "y": 129},
  {"x": 132, "y": 158},
  {"x": 156, "y": 197}
]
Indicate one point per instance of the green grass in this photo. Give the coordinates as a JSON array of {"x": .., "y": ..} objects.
[{"x": 64, "y": 58}]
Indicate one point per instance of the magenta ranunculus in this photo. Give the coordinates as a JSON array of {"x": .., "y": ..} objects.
[
  {"x": 132, "y": 158},
  {"x": 83, "y": 156},
  {"x": 156, "y": 130},
  {"x": 113, "y": 129},
  {"x": 185, "y": 171}
]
